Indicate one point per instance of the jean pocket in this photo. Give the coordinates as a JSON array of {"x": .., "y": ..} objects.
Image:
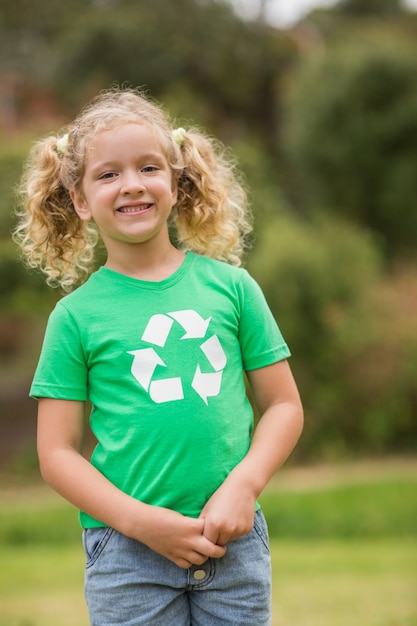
[
  {"x": 261, "y": 528},
  {"x": 94, "y": 542}
]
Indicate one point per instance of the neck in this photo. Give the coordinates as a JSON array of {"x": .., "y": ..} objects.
[{"x": 146, "y": 263}]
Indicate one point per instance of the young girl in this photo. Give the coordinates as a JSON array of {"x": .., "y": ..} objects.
[{"x": 158, "y": 340}]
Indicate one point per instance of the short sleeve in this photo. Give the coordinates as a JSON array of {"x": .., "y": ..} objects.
[
  {"x": 260, "y": 338},
  {"x": 62, "y": 370}
]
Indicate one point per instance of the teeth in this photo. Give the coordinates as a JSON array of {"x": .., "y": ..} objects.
[{"x": 134, "y": 209}]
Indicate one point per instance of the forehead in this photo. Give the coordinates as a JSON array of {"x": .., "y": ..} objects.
[
  {"x": 134, "y": 133},
  {"x": 125, "y": 140}
]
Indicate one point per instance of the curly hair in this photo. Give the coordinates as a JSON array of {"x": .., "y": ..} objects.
[{"x": 211, "y": 216}]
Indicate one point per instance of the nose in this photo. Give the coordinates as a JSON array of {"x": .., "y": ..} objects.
[{"x": 132, "y": 183}]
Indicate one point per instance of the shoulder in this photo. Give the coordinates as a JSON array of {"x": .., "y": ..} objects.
[
  {"x": 221, "y": 276},
  {"x": 221, "y": 269},
  {"x": 80, "y": 298}
]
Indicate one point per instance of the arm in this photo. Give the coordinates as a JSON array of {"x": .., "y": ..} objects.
[
  {"x": 229, "y": 513},
  {"x": 177, "y": 537}
]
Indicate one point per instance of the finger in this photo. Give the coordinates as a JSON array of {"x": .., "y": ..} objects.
[
  {"x": 215, "y": 551},
  {"x": 192, "y": 558},
  {"x": 211, "y": 531},
  {"x": 198, "y": 559},
  {"x": 223, "y": 539},
  {"x": 183, "y": 563},
  {"x": 211, "y": 534}
]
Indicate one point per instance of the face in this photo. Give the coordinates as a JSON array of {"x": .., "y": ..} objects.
[{"x": 128, "y": 188}]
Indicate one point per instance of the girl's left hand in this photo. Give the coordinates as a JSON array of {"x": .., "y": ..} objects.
[{"x": 229, "y": 513}]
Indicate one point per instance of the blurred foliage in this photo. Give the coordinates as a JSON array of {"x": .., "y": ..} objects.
[
  {"x": 353, "y": 140},
  {"x": 317, "y": 281},
  {"x": 370, "y": 7},
  {"x": 18, "y": 287},
  {"x": 381, "y": 508},
  {"x": 323, "y": 119}
]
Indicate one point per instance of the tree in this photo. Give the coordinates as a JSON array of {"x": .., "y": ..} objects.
[
  {"x": 199, "y": 47},
  {"x": 382, "y": 8},
  {"x": 352, "y": 137},
  {"x": 351, "y": 331}
]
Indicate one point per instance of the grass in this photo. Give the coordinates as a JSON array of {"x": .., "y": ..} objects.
[
  {"x": 343, "y": 545},
  {"x": 325, "y": 583},
  {"x": 335, "y": 583},
  {"x": 370, "y": 510},
  {"x": 42, "y": 586}
]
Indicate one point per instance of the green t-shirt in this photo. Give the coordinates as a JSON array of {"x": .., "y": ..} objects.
[{"x": 162, "y": 364}]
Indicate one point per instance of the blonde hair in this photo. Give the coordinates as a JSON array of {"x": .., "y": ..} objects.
[{"x": 211, "y": 216}]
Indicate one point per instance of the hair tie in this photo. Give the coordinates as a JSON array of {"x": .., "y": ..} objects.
[
  {"x": 62, "y": 143},
  {"x": 179, "y": 135}
]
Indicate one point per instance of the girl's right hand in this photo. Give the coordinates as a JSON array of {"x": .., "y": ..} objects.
[
  {"x": 171, "y": 534},
  {"x": 180, "y": 539}
]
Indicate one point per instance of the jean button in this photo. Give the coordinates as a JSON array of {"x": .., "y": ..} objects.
[{"x": 199, "y": 574}]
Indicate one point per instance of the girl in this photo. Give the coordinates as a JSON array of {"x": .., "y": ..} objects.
[{"x": 158, "y": 340}]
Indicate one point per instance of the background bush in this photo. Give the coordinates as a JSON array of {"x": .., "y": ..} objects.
[{"x": 323, "y": 120}]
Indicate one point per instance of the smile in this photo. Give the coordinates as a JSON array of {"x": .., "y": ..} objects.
[{"x": 137, "y": 208}]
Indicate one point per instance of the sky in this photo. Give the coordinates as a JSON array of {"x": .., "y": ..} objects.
[{"x": 284, "y": 13}]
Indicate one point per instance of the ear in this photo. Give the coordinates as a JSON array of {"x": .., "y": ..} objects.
[
  {"x": 174, "y": 193},
  {"x": 80, "y": 206}
]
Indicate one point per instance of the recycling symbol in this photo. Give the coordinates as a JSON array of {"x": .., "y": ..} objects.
[{"x": 146, "y": 360}]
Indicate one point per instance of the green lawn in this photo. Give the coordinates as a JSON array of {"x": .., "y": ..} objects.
[
  {"x": 42, "y": 586},
  {"x": 340, "y": 583},
  {"x": 344, "y": 551},
  {"x": 323, "y": 583}
]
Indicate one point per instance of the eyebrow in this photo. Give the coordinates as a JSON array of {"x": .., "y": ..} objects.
[{"x": 149, "y": 156}]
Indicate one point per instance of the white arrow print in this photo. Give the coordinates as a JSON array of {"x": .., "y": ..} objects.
[
  {"x": 146, "y": 360},
  {"x": 194, "y": 325},
  {"x": 206, "y": 384},
  {"x": 144, "y": 365},
  {"x": 214, "y": 352},
  {"x": 157, "y": 330},
  {"x": 166, "y": 390}
]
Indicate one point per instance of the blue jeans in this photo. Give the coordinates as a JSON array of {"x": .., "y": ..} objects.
[{"x": 128, "y": 583}]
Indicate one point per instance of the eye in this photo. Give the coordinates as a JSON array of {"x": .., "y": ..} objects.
[
  {"x": 150, "y": 169},
  {"x": 106, "y": 175}
]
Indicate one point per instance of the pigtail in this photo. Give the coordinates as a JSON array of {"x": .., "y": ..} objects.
[
  {"x": 50, "y": 234},
  {"x": 211, "y": 215}
]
